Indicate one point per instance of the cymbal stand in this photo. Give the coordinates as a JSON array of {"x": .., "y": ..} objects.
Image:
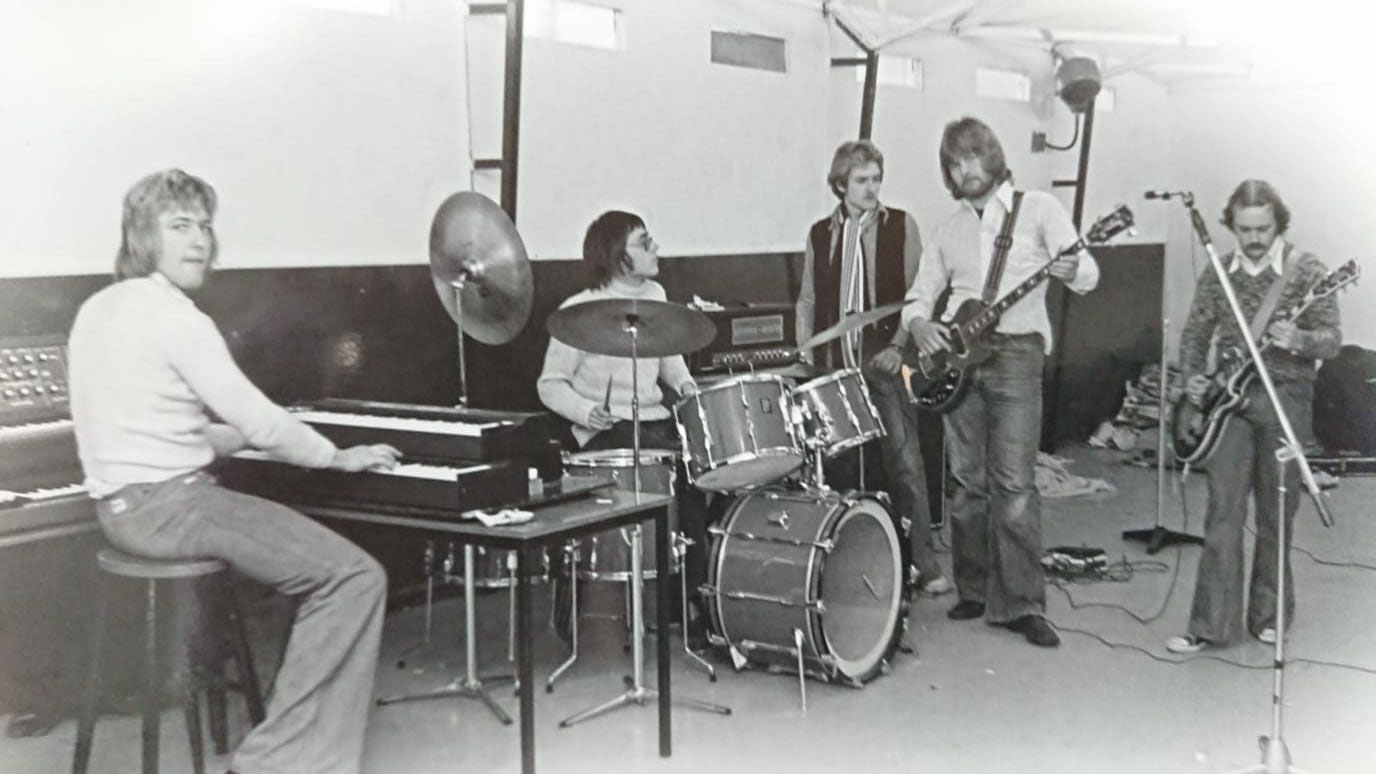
[
  {"x": 636, "y": 692},
  {"x": 428, "y": 562},
  {"x": 680, "y": 550},
  {"x": 470, "y": 687},
  {"x": 458, "y": 284}
]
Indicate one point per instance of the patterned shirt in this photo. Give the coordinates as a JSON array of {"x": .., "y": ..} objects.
[{"x": 1211, "y": 321}]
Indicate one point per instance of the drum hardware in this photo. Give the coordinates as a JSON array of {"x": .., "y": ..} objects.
[
  {"x": 852, "y": 322},
  {"x": 571, "y": 556},
  {"x": 802, "y": 681},
  {"x": 671, "y": 330},
  {"x": 681, "y": 544},
  {"x": 471, "y": 686},
  {"x": 817, "y": 606},
  {"x": 427, "y": 567},
  {"x": 825, "y": 546}
]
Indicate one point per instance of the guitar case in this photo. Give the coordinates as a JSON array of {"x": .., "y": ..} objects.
[{"x": 1345, "y": 402}]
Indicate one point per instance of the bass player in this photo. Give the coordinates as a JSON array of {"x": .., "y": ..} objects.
[{"x": 993, "y": 432}]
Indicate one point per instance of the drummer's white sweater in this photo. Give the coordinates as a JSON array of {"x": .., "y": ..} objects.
[{"x": 574, "y": 382}]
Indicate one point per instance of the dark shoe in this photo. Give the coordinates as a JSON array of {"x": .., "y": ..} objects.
[
  {"x": 1036, "y": 629},
  {"x": 966, "y": 609}
]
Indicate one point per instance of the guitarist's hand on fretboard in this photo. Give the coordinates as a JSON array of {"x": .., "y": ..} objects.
[
  {"x": 1286, "y": 335},
  {"x": 1065, "y": 267}
]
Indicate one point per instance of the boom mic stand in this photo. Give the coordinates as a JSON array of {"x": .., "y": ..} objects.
[
  {"x": 1158, "y": 537},
  {"x": 1275, "y": 757}
]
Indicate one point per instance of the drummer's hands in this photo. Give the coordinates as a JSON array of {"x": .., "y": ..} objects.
[
  {"x": 372, "y": 456},
  {"x": 689, "y": 387},
  {"x": 888, "y": 361},
  {"x": 1196, "y": 387},
  {"x": 931, "y": 337},
  {"x": 600, "y": 418}
]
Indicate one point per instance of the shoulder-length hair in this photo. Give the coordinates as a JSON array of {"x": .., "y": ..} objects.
[
  {"x": 1257, "y": 193},
  {"x": 851, "y": 156},
  {"x": 970, "y": 136},
  {"x": 604, "y": 245},
  {"x": 150, "y": 197}
]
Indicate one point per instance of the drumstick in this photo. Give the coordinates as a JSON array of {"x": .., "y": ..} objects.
[{"x": 607, "y": 399}]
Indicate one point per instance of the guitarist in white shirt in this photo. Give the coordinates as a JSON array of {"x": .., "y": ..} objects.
[
  {"x": 993, "y": 432},
  {"x": 1243, "y": 461}
]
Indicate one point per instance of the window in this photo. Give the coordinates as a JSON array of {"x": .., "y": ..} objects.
[
  {"x": 744, "y": 49},
  {"x": 582, "y": 24},
  {"x": 896, "y": 71},
  {"x": 1003, "y": 84}
]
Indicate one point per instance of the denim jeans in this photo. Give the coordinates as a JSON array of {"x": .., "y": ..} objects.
[
  {"x": 318, "y": 707},
  {"x": 991, "y": 441},
  {"x": 905, "y": 473},
  {"x": 1243, "y": 463}
]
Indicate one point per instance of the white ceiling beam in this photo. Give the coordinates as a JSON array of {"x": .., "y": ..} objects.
[
  {"x": 1086, "y": 36},
  {"x": 936, "y": 17}
]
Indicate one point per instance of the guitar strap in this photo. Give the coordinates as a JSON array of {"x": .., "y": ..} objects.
[
  {"x": 1001, "y": 245},
  {"x": 1268, "y": 304}
]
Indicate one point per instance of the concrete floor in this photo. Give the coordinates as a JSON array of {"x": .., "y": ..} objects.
[{"x": 973, "y": 699}]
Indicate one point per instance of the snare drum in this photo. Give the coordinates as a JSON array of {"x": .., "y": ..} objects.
[
  {"x": 739, "y": 433},
  {"x": 607, "y": 555},
  {"x": 838, "y": 411},
  {"x": 825, "y": 564}
]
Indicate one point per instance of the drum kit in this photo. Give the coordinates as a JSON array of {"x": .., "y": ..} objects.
[{"x": 800, "y": 577}]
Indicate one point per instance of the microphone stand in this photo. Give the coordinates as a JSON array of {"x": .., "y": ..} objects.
[{"x": 1275, "y": 757}]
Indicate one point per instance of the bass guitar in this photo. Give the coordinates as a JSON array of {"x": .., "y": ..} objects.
[
  {"x": 937, "y": 382},
  {"x": 1196, "y": 426}
]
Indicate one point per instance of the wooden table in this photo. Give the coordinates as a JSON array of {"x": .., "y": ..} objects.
[{"x": 551, "y": 527}]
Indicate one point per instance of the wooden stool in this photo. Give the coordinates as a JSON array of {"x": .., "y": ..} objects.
[{"x": 208, "y": 677}]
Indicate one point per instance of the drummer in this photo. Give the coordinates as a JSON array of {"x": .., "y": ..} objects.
[
  {"x": 593, "y": 392},
  {"x": 861, "y": 256}
]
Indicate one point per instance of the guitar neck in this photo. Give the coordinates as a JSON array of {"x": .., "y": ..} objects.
[{"x": 990, "y": 316}]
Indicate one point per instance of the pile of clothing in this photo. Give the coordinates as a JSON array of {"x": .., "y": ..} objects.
[{"x": 1140, "y": 411}]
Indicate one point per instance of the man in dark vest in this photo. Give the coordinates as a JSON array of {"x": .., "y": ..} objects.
[{"x": 862, "y": 256}]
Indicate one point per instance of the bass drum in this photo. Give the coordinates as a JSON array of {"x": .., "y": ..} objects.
[{"x": 823, "y": 567}]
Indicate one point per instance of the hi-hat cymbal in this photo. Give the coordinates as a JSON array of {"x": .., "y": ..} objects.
[
  {"x": 853, "y": 322},
  {"x": 661, "y": 328},
  {"x": 475, "y": 250}
]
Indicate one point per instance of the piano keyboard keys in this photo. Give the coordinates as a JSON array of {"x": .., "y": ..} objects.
[{"x": 405, "y": 424}]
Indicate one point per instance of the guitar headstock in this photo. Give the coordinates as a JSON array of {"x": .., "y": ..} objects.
[
  {"x": 1334, "y": 281},
  {"x": 1110, "y": 225}
]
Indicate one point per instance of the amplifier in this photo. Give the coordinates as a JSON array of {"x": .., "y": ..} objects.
[{"x": 753, "y": 336}]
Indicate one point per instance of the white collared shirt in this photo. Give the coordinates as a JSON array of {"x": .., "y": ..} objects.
[
  {"x": 959, "y": 254},
  {"x": 1274, "y": 260}
]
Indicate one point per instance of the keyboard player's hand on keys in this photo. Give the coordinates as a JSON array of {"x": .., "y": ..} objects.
[{"x": 372, "y": 456}]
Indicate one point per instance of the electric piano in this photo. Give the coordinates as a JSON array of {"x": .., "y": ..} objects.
[
  {"x": 41, "y": 496},
  {"x": 453, "y": 459}
]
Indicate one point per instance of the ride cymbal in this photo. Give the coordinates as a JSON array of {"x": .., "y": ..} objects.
[{"x": 603, "y": 327}]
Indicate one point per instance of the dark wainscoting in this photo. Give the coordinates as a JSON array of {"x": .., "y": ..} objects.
[{"x": 378, "y": 332}]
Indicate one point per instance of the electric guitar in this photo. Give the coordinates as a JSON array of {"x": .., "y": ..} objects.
[
  {"x": 937, "y": 382},
  {"x": 1197, "y": 426}
]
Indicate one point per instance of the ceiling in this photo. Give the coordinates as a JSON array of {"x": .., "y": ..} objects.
[{"x": 1172, "y": 41}]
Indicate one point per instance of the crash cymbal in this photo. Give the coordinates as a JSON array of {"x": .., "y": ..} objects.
[
  {"x": 475, "y": 250},
  {"x": 662, "y": 328},
  {"x": 853, "y": 322}
]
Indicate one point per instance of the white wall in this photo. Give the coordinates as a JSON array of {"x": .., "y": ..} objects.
[
  {"x": 331, "y": 137},
  {"x": 1313, "y": 143}
]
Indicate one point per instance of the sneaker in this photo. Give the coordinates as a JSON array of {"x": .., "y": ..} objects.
[
  {"x": 1267, "y": 635},
  {"x": 1186, "y": 643},
  {"x": 936, "y": 587},
  {"x": 965, "y": 610}
]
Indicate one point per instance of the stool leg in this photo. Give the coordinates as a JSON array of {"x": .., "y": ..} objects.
[
  {"x": 191, "y": 708},
  {"x": 243, "y": 657},
  {"x": 86, "y": 722},
  {"x": 217, "y": 708},
  {"x": 151, "y": 682}
]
